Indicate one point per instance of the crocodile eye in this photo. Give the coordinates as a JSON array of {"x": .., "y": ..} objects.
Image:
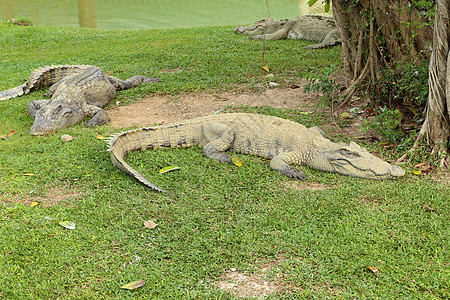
[
  {"x": 67, "y": 112},
  {"x": 57, "y": 110},
  {"x": 350, "y": 153}
]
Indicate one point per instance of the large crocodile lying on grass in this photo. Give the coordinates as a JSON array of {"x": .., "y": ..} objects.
[
  {"x": 284, "y": 142},
  {"x": 311, "y": 27},
  {"x": 77, "y": 91}
]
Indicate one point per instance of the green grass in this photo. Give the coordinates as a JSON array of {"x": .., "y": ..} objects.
[{"x": 216, "y": 217}]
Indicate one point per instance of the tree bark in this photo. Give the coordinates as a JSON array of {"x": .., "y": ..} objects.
[
  {"x": 376, "y": 33},
  {"x": 437, "y": 122}
]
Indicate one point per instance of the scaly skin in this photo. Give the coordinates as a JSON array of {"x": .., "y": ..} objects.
[
  {"x": 311, "y": 27},
  {"x": 283, "y": 141},
  {"x": 77, "y": 91}
]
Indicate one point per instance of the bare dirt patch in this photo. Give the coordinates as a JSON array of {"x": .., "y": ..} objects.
[
  {"x": 51, "y": 198},
  {"x": 168, "y": 109},
  {"x": 312, "y": 186},
  {"x": 442, "y": 177},
  {"x": 253, "y": 285}
]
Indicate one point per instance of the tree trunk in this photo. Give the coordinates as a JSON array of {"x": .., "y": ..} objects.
[
  {"x": 376, "y": 33},
  {"x": 437, "y": 122}
]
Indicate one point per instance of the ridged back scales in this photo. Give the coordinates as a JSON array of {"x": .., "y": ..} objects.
[
  {"x": 255, "y": 134},
  {"x": 42, "y": 77}
]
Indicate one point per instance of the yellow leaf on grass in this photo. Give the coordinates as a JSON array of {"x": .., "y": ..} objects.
[
  {"x": 4, "y": 137},
  {"x": 67, "y": 224},
  {"x": 133, "y": 285},
  {"x": 374, "y": 270},
  {"x": 150, "y": 224},
  {"x": 28, "y": 174},
  {"x": 100, "y": 137},
  {"x": 237, "y": 161},
  {"x": 417, "y": 172},
  {"x": 168, "y": 169},
  {"x": 34, "y": 203},
  {"x": 266, "y": 68}
]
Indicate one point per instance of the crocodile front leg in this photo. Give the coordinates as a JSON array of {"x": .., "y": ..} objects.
[
  {"x": 130, "y": 82},
  {"x": 281, "y": 163},
  {"x": 220, "y": 137},
  {"x": 36, "y": 105},
  {"x": 99, "y": 116},
  {"x": 278, "y": 35}
]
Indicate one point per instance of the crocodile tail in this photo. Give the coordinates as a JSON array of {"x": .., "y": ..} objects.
[
  {"x": 12, "y": 93},
  {"x": 49, "y": 75},
  {"x": 41, "y": 77},
  {"x": 123, "y": 143}
]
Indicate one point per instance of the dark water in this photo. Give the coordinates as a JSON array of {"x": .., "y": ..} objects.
[{"x": 143, "y": 14}]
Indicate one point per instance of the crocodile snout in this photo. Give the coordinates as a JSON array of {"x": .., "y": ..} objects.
[{"x": 396, "y": 171}]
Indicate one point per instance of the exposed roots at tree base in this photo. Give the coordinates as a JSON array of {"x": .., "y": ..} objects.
[{"x": 438, "y": 150}]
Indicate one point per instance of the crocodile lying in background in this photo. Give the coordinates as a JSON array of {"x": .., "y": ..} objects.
[
  {"x": 311, "y": 27},
  {"x": 77, "y": 91},
  {"x": 284, "y": 142}
]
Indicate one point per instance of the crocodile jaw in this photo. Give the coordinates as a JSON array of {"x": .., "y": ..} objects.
[
  {"x": 352, "y": 160},
  {"x": 51, "y": 119},
  {"x": 249, "y": 30},
  {"x": 382, "y": 171}
]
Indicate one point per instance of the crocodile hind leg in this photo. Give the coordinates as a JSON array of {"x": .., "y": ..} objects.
[
  {"x": 99, "y": 116},
  {"x": 130, "y": 82},
  {"x": 220, "y": 137},
  {"x": 331, "y": 39},
  {"x": 36, "y": 105},
  {"x": 281, "y": 163}
]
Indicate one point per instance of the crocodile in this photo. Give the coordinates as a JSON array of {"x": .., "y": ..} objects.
[
  {"x": 77, "y": 91},
  {"x": 310, "y": 27},
  {"x": 283, "y": 141}
]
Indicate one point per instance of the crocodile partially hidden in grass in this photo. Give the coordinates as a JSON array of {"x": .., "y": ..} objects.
[
  {"x": 77, "y": 91},
  {"x": 284, "y": 142},
  {"x": 310, "y": 27}
]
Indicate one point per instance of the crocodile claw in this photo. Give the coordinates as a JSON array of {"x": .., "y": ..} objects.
[{"x": 294, "y": 173}]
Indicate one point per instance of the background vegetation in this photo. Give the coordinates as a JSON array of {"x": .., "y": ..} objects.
[{"x": 216, "y": 217}]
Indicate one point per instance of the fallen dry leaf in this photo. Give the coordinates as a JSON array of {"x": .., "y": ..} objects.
[
  {"x": 67, "y": 224},
  {"x": 367, "y": 112},
  {"x": 150, "y": 224},
  {"x": 374, "y": 270},
  {"x": 429, "y": 208},
  {"x": 100, "y": 137},
  {"x": 237, "y": 161},
  {"x": 420, "y": 165},
  {"x": 427, "y": 169},
  {"x": 133, "y": 285},
  {"x": 168, "y": 169},
  {"x": 66, "y": 138}
]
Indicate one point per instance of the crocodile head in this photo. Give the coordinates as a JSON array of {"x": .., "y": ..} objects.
[
  {"x": 51, "y": 118},
  {"x": 266, "y": 26},
  {"x": 352, "y": 160}
]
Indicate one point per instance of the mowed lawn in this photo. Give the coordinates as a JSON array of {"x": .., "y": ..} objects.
[{"x": 319, "y": 238}]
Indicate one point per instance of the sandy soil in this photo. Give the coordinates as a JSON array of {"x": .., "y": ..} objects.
[{"x": 167, "y": 109}]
